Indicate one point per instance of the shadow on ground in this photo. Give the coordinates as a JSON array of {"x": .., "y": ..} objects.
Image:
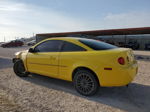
[
  {"x": 5, "y": 63},
  {"x": 134, "y": 98}
]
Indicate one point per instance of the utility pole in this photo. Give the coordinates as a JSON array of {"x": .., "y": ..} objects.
[
  {"x": 33, "y": 34},
  {"x": 125, "y": 40},
  {"x": 4, "y": 39}
]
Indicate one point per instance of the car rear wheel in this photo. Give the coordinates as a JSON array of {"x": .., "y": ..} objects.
[
  {"x": 85, "y": 82},
  {"x": 19, "y": 69}
]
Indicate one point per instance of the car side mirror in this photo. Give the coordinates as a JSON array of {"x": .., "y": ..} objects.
[{"x": 31, "y": 50}]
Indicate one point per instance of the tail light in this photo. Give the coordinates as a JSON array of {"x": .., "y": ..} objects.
[{"x": 121, "y": 60}]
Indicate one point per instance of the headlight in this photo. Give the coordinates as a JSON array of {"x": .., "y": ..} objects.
[{"x": 17, "y": 53}]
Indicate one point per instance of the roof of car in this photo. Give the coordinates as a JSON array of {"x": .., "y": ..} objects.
[{"x": 67, "y": 38}]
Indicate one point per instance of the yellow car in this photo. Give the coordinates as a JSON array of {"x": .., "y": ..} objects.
[{"x": 88, "y": 63}]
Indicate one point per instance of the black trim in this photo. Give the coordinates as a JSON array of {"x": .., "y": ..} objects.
[{"x": 14, "y": 60}]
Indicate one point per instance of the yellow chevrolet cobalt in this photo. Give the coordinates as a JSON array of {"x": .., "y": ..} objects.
[{"x": 87, "y": 63}]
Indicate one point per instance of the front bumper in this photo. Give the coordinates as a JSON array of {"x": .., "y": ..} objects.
[{"x": 14, "y": 60}]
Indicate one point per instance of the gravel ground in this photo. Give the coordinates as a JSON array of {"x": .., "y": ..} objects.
[
  {"x": 9, "y": 52},
  {"x": 43, "y": 94}
]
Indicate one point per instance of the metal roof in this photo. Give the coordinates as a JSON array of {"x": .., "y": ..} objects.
[{"x": 126, "y": 31}]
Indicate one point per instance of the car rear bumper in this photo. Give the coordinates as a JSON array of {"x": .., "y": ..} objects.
[{"x": 129, "y": 74}]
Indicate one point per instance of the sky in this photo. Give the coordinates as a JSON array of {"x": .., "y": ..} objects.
[{"x": 25, "y": 18}]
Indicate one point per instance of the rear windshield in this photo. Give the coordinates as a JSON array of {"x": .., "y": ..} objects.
[{"x": 97, "y": 45}]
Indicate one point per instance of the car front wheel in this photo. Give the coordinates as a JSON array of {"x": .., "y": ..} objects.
[
  {"x": 85, "y": 82},
  {"x": 19, "y": 69}
]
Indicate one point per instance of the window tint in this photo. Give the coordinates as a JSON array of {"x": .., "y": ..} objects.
[
  {"x": 97, "y": 45},
  {"x": 68, "y": 47},
  {"x": 49, "y": 46}
]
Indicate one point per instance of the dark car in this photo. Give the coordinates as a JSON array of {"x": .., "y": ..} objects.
[
  {"x": 31, "y": 43},
  {"x": 14, "y": 43},
  {"x": 147, "y": 46},
  {"x": 133, "y": 45}
]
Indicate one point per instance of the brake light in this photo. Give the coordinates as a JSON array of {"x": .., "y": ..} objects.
[{"x": 121, "y": 60}]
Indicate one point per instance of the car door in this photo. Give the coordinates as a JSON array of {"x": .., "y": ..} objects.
[
  {"x": 69, "y": 55},
  {"x": 45, "y": 58}
]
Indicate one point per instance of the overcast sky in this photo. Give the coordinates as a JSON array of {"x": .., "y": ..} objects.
[{"x": 22, "y": 18}]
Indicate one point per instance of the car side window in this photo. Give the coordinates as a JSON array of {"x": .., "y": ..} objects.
[
  {"x": 49, "y": 46},
  {"x": 70, "y": 47}
]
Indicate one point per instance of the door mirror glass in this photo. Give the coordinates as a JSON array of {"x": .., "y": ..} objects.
[{"x": 31, "y": 50}]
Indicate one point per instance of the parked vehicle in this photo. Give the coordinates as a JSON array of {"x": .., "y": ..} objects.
[
  {"x": 87, "y": 63},
  {"x": 14, "y": 43},
  {"x": 121, "y": 44},
  {"x": 1, "y": 43},
  {"x": 147, "y": 46},
  {"x": 31, "y": 43},
  {"x": 133, "y": 45}
]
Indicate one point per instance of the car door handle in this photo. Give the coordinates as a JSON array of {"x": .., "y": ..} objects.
[{"x": 53, "y": 58}]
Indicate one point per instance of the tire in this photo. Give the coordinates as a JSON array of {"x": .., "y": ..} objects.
[
  {"x": 19, "y": 69},
  {"x": 29, "y": 44},
  {"x": 85, "y": 82}
]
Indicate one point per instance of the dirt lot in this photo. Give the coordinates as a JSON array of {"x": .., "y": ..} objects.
[
  {"x": 42, "y": 94},
  {"x": 9, "y": 52}
]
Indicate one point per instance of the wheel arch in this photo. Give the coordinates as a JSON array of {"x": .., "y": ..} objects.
[
  {"x": 17, "y": 71},
  {"x": 88, "y": 69}
]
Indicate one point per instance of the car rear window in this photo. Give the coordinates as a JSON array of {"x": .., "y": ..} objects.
[{"x": 97, "y": 45}]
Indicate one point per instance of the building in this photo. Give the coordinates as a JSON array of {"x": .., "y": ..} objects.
[{"x": 135, "y": 38}]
